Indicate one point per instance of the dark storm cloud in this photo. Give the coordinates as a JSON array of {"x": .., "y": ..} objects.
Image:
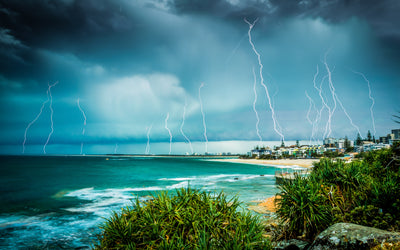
[
  {"x": 382, "y": 15},
  {"x": 75, "y": 27}
]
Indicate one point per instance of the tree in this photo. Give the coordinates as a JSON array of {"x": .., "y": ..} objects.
[
  {"x": 358, "y": 140},
  {"x": 346, "y": 142},
  {"x": 373, "y": 139},
  {"x": 369, "y": 136}
]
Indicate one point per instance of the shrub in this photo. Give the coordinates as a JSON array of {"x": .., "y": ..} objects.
[
  {"x": 364, "y": 192},
  {"x": 191, "y": 219},
  {"x": 369, "y": 216},
  {"x": 304, "y": 206}
]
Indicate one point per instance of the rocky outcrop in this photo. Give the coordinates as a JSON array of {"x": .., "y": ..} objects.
[
  {"x": 292, "y": 244},
  {"x": 352, "y": 236}
]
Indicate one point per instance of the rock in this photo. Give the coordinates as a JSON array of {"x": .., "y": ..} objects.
[
  {"x": 291, "y": 244},
  {"x": 352, "y": 236}
]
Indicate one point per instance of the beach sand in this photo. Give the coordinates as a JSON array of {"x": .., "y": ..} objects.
[
  {"x": 305, "y": 163},
  {"x": 265, "y": 207}
]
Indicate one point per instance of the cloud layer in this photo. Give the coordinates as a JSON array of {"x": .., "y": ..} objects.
[{"x": 131, "y": 63}]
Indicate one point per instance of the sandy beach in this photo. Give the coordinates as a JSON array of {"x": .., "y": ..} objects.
[
  {"x": 264, "y": 207},
  {"x": 305, "y": 163}
]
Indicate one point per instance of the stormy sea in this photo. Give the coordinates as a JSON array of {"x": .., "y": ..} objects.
[{"x": 56, "y": 202}]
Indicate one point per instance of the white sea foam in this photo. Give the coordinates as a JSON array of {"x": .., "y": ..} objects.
[
  {"x": 103, "y": 201},
  {"x": 212, "y": 179},
  {"x": 178, "y": 179},
  {"x": 182, "y": 184},
  {"x": 38, "y": 230}
]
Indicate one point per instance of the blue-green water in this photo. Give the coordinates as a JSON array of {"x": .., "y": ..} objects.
[{"x": 55, "y": 202}]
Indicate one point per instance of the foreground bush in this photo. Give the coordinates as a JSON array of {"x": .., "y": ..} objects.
[
  {"x": 189, "y": 220},
  {"x": 363, "y": 192},
  {"x": 304, "y": 206}
]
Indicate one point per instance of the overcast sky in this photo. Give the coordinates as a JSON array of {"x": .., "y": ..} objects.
[{"x": 133, "y": 63}]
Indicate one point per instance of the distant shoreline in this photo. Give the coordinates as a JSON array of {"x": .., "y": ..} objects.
[
  {"x": 304, "y": 163},
  {"x": 129, "y": 155}
]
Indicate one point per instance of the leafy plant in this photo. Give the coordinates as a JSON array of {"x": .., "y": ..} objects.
[
  {"x": 303, "y": 205},
  {"x": 364, "y": 192},
  {"x": 191, "y": 219}
]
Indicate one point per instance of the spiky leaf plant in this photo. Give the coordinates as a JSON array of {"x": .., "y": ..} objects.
[
  {"x": 191, "y": 219},
  {"x": 304, "y": 206}
]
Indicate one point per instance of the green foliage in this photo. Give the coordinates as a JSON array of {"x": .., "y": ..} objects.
[
  {"x": 365, "y": 192},
  {"x": 304, "y": 206},
  {"x": 358, "y": 141},
  {"x": 369, "y": 216},
  {"x": 369, "y": 136},
  {"x": 191, "y": 219}
]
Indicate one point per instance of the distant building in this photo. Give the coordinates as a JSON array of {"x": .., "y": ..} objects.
[
  {"x": 336, "y": 143},
  {"x": 260, "y": 152},
  {"x": 330, "y": 142},
  {"x": 384, "y": 140},
  {"x": 396, "y": 133},
  {"x": 367, "y": 143}
]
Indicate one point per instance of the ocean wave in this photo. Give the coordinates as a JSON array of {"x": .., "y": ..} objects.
[
  {"x": 216, "y": 178},
  {"x": 178, "y": 179},
  {"x": 38, "y": 231}
]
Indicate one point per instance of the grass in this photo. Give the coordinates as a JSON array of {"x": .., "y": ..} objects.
[{"x": 191, "y": 219}]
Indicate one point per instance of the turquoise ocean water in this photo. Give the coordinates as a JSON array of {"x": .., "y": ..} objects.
[{"x": 59, "y": 201}]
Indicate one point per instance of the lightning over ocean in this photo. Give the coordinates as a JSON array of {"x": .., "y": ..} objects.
[
  {"x": 33, "y": 121},
  {"x": 50, "y": 101},
  {"x": 181, "y": 128},
  {"x": 169, "y": 132},
  {"x": 84, "y": 122},
  {"x": 148, "y": 129},
  {"x": 254, "y": 106},
  {"x": 277, "y": 128},
  {"x": 204, "y": 119}
]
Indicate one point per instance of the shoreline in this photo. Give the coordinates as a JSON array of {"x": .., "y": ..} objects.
[{"x": 303, "y": 163}]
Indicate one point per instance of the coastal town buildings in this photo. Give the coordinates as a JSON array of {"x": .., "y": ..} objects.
[{"x": 330, "y": 145}]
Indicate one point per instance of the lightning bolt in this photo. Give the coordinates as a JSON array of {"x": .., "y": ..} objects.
[
  {"x": 204, "y": 119},
  {"x": 84, "y": 122},
  {"x": 170, "y": 134},
  {"x": 115, "y": 148},
  {"x": 370, "y": 97},
  {"x": 332, "y": 89},
  {"x": 51, "y": 115},
  {"x": 276, "y": 125},
  {"x": 254, "y": 106},
  {"x": 312, "y": 123},
  {"x": 148, "y": 139},
  {"x": 336, "y": 98},
  {"x": 181, "y": 128},
  {"x": 324, "y": 104},
  {"x": 33, "y": 121}
]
